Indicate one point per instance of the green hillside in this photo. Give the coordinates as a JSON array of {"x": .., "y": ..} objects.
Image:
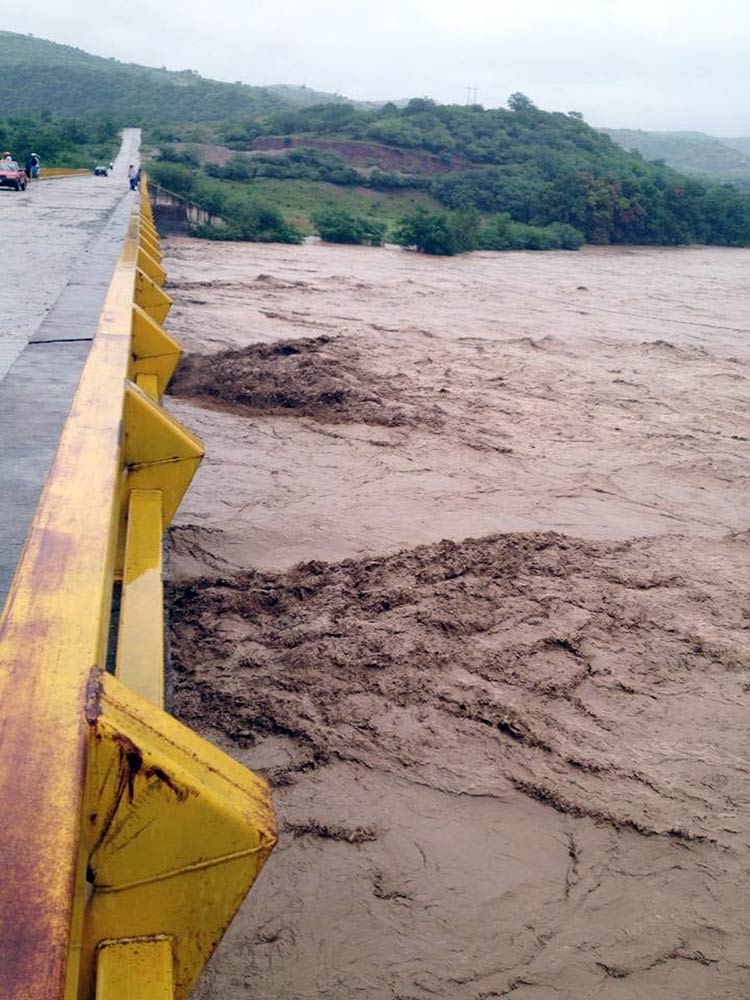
[
  {"x": 64, "y": 81},
  {"x": 538, "y": 168},
  {"x": 517, "y": 166},
  {"x": 691, "y": 152}
]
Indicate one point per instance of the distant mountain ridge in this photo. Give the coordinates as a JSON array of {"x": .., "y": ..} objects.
[
  {"x": 66, "y": 81},
  {"x": 690, "y": 152},
  {"x": 303, "y": 96}
]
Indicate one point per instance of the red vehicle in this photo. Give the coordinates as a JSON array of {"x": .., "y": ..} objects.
[{"x": 12, "y": 176}]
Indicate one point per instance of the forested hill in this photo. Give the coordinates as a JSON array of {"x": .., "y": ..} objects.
[
  {"x": 44, "y": 77},
  {"x": 540, "y": 168}
]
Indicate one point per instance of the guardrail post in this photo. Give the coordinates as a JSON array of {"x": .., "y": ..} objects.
[
  {"x": 135, "y": 970},
  {"x": 140, "y": 637},
  {"x": 154, "y": 352},
  {"x": 150, "y": 297}
]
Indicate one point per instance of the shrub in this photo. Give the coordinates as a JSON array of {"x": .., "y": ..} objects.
[
  {"x": 444, "y": 233},
  {"x": 261, "y": 223},
  {"x": 175, "y": 177},
  {"x": 251, "y": 222},
  {"x": 427, "y": 232},
  {"x": 337, "y": 225},
  {"x": 501, "y": 233},
  {"x": 171, "y": 154}
]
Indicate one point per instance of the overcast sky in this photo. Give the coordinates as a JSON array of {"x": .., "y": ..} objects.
[{"x": 652, "y": 64}]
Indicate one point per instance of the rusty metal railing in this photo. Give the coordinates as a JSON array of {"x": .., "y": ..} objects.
[{"x": 127, "y": 841}]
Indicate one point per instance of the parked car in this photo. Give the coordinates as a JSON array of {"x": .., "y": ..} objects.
[
  {"x": 101, "y": 171},
  {"x": 12, "y": 176}
]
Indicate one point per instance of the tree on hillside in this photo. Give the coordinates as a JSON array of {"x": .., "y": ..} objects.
[{"x": 520, "y": 102}]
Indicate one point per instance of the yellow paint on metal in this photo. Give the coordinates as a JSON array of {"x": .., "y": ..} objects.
[
  {"x": 151, "y": 247},
  {"x": 179, "y": 832},
  {"x": 140, "y": 969},
  {"x": 151, "y": 267},
  {"x": 150, "y": 235},
  {"x": 140, "y": 638},
  {"x": 149, "y": 228},
  {"x": 150, "y": 297},
  {"x": 50, "y": 173},
  {"x": 160, "y": 454},
  {"x": 150, "y": 241},
  {"x": 148, "y": 384},
  {"x": 154, "y": 351}
]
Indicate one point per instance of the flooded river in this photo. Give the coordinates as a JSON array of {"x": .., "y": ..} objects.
[{"x": 465, "y": 575}]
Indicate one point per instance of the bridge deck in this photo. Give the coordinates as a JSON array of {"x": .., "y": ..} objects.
[{"x": 62, "y": 239}]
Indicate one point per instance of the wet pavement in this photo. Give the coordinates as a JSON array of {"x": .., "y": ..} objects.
[{"x": 62, "y": 240}]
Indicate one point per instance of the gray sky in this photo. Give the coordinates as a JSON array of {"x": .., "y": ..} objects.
[{"x": 652, "y": 64}]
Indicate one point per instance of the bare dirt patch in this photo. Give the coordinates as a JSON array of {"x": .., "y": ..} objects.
[
  {"x": 316, "y": 377},
  {"x": 365, "y": 154}
]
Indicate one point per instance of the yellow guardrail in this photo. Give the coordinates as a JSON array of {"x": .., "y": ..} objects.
[
  {"x": 127, "y": 841},
  {"x": 47, "y": 173}
]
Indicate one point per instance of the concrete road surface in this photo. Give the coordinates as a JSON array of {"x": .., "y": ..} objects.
[
  {"x": 61, "y": 240},
  {"x": 48, "y": 234}
]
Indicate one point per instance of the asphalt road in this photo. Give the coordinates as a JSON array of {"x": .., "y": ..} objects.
[{"x": 61, "y": 239}]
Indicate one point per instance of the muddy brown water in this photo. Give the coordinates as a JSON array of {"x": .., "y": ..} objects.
[{"x": 465, "y": 575}]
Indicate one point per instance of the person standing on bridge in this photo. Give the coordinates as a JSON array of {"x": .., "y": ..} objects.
[
  {"x": 133, "y": 177},
  {"x": 31, "y": 167}
]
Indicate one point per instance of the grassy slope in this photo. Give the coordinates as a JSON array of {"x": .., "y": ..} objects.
[{"x": 297, "y": 199}]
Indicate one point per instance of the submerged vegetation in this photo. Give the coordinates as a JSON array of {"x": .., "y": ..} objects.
[{"x": 457, "y": 232}]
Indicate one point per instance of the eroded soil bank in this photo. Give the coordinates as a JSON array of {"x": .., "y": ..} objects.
[{"x": 508, "y": 764}]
